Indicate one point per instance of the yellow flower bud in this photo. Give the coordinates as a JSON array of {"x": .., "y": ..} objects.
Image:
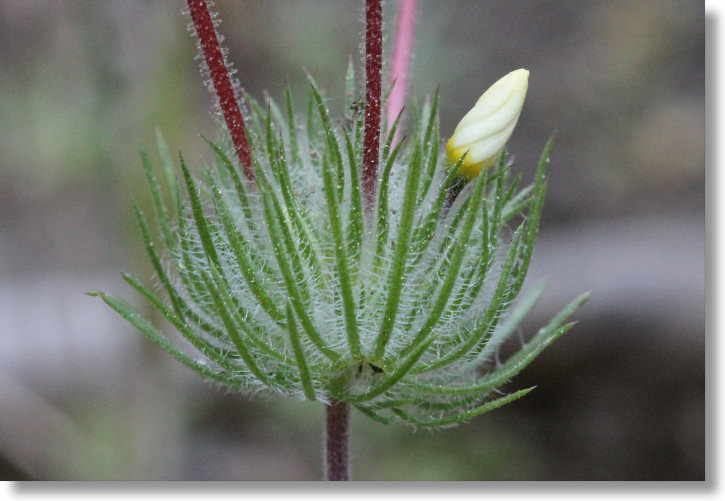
[{"x": 484, "y": 130}]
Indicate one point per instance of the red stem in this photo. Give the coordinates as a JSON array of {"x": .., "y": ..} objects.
[
  {"x": 373, "y": 89},
  {"x": 222, "y": 83}
]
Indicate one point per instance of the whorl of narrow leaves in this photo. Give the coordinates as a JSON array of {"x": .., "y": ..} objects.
[{"x": 284, "y": 283}]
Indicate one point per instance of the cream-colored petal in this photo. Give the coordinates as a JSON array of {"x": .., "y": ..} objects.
[{"x": 486, "y": 128}]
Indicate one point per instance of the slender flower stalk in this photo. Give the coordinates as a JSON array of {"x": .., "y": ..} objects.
[
  {"x": 337, "y": 424},
  {"x": 373, "y": 90},
  {"x": 219, "y": 73},
  {"x": 400, "y": 66}
]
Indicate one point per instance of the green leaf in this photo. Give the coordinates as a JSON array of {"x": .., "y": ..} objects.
[
  {"x": 431, "y": 148},
  {"x": 217, "y": 290},
  {"x": 391, "y": 136},
  {"x": 244, "y": 264},
  {"x": 221, "y": 355},
  {"x": 350, "y": 111},
  {"x": 374, "y": 415},
  {"x": 167, "y": 165},
  {"x": 256, "y": 115},
  {"x": 517, "y": 204},
  {"x": 281, "y": 253},
  {"x": 145, "y": 327},
  {"x": 241, "y": 190},
  {"x": 383, "y": 214},
  {"x": 342, "y": 272},
  {"x": 432, "y": 118},
  {"x": 516, "y": 363},
  {"x": 305, "y": 379},
  {"x": 332, "y": 144},
  {"x": 533, "y": 217},
  {"x": 463, "y": 416},
  {"x": 425, "y": 230},
  {"x": 516, "y": 316},
  {"x": 497, "y": 304},
  {"x": 395, "y": 274},
  {"x": 355, "y": 218},
  {"x": 308, "y": 240},
  {"x": 291, "y": 131},
  {"x": 202, "y": 226},
  {"x": 156, "y": 261},
  {"x": 446, "y": 288},
  {"x": 159, "y": 206}
]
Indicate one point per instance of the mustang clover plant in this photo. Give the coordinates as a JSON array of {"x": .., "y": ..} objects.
[{"x": 317, "y": 260}]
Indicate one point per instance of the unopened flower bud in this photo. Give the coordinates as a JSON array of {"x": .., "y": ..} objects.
[{"x": 484, "y": 131}]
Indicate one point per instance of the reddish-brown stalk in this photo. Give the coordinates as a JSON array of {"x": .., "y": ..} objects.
[
  {"x": 222, "y": 83},
  {"x": 373, "y": 89},
  {"x": 337, "y": 423}
]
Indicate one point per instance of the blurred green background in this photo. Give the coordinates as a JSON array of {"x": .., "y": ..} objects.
[{"x": 84, "y": 83}]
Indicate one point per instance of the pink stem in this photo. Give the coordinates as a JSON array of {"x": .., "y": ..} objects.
[
  {"x": 401, "y": 60},
  {"x": 373, "y": 89},
  {"x": 222, "y": 83}
]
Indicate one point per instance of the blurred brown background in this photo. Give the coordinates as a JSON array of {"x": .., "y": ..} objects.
[{"x": 622, "y": 396}]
